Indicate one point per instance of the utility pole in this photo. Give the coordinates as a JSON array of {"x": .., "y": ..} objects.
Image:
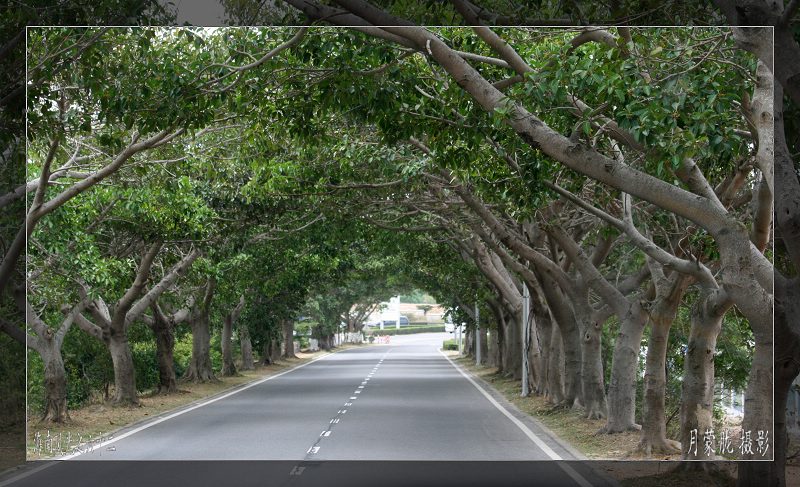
[
  {"x": 458, "y": 333},
  {"x": 477, "y": 336},
  {"x": 526, "y": 301}
]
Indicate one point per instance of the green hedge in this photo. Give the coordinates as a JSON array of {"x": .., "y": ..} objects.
[
  {"x": 408, "y": 330},
  {"x": 449, "y": 345}
]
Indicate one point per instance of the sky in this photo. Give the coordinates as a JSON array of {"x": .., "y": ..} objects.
[{"x": 200, "y": 12}]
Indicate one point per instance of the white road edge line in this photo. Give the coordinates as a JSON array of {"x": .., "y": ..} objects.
[
  {"x": 530, "y": 434},
  {"x": 196, "y": 406}
]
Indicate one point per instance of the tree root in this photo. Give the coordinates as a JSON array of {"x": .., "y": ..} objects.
[
  {"x": 659, "y": 446},
  {"x": 606, "y": 430}
]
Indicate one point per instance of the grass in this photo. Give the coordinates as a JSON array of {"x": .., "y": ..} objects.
[{"x": 96, "y": 421}]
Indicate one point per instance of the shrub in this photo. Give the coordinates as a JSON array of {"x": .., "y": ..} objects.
[{"x": 449, "y": 345}]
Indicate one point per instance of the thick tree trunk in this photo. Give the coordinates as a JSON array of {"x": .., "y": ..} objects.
[
  {"x": 654, "y": 428},
  {"x": 493, "y": 357},
  {"x": 228, "y": 366},
  {"x": 275, "y": 351},
  {"x": 484, "y": 346},
  {"x": 697, "y": 396},
  {"x": 165, "y": 346},
  {"x": 787, "y": 366},
  {"x": 247, "y": 348},
  {"x": 266, "y": 353},
  {"x": 469, "y": 343},
  {"x": 594, "y": 394},
  {"x": 124, "y": 375},
  {"x": 624, "y": 367},
  {"x": 540, "y": 334},
  {"x": 570, "y": 340},
  {"x": 512, "y": 348},
  {"x": 55, "y": 383},
  {"x": 200, "y": 368},
  {"x": 555, "y": 368},
  {"x": 496, "y": 336},
  {"x": 288, "y": 339}
]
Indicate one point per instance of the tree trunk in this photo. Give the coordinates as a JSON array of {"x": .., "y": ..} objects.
[
  {"x": 124, "y": 375},
  {"x": 555, "y": 368},
  {"x": 512, "y": 347},
  {"x": 200, "y": 368},
  {"x": 540, "y": 334},
  {"x": 654, "y": 427},
  {"x": 165, "y": 346},
  {"x": 469, "y": 343},
  {"x": 247, "y": 348},
  {"x": 493, "y": 358},
  {"x": 55, "y": 383},
  {"x": 274, "y": 351},
  {"x": 570, "y": 340},
  {"x": 266, "y": 353},
  {"x": 594, "y": 394},
  {"x": 228, "y": 367},
  {"x": 697, "y": 396},
  {"x": 624, "y": 367},
  {"x": 496, "y": 337},
  {"x": 484, "y": 345},
  {"x": 288, "y": 339},
  {"x": 787, "y": 366}
]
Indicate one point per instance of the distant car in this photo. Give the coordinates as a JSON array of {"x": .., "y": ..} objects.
[{"x": 449, "y": 327}]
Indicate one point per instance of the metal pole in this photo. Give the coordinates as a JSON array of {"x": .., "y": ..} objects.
[
  {"x": 526, "y": 300},
  {"x": 477, "y": 336},
  {"x": 397, "y": 326}
]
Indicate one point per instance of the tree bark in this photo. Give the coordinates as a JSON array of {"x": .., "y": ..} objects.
[
  {"x": 624, "y": 367},
  {"x": 247, "y": 348},
  {"x": 266, "y": 352},
  {"x": 570, "y": 338},
  {"x": 288, "y": 339},
  {"x": 484, "y": 345},
  {"x": 55, "y": 383},
  {"x": 165, "y": 346},
  {"x": 228, "y": 365},
  {"x": 697, "y": 396},
  {"x": 555, "y": 368},
  {"x": 594, "y": 393},
  {"x": 200, "y": 368},
  {"x": 124, "y": 372},
  {"x": 654, "y": 430}
]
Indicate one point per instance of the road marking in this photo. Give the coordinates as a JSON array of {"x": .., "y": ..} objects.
[
  {"x": 530, "y": 434},
  {"x": 358, "y": 392},
  {"x": 360, "y": 387},
  {"x": 348, "y": 404},
  {"x": 313, "y": 450},
  {"x": 325, "y": 433},
  {"x": 334, "y": 420},
  {"x": 344, "y": 411},
  {"x": 297, "y": 471},
  {"x": 192, "y": 408},
  {"x": 354, "y": 397},
  {"x": 364, "y": 382}
]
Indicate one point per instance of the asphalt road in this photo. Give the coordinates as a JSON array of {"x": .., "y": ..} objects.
[{"x": 351, "y": 415}]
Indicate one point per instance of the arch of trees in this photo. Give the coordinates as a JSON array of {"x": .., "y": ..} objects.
[{"x": 200, "y": 185}]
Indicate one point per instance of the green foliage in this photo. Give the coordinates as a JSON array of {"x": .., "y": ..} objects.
[
  {"x": 449, "y": 345},
  {"x": 409, "y": 330}
]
